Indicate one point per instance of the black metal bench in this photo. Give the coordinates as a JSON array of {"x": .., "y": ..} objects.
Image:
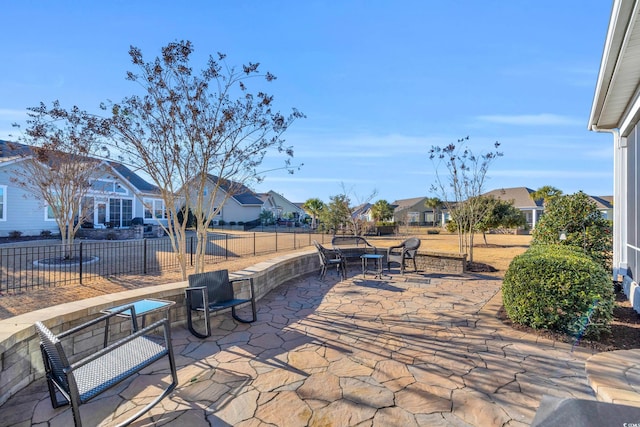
[
  {"x": 211, "y": 292},
  {"x": 352, "y": 247}
]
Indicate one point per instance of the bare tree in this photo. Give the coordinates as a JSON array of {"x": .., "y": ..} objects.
[
  {"x": 462, "y": 187},
  {"x": 57, "y": 163},
  {"x": 187, "y": 128},
  {"x": 356, "y": 223}
]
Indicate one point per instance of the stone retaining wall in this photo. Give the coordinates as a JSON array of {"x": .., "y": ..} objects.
[{"x": 440, "y": 262}]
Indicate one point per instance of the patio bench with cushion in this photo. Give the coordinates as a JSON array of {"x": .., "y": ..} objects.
[
  {"x": 352, "y": 247},
  {"x": 211, "y": 292},
  {"x": 82, "y": 380}
]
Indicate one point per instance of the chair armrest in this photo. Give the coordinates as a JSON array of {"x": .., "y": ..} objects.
[
  {"x": 390, "y": 249},
  {"x": 205, "y": 295},
  {"x": 100, "y": 319},
  {"x": 243, "y": 279},
  {"x": 162, "y": 322}
]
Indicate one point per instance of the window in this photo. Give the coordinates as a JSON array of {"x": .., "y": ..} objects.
[
  {"x": 120, "y": 212},
  {"x": 108, "y": 186},
  {"x": 154, "y": 208},
  {"x": 48, "y": 214},
  {"x": 3, "y": 202}
]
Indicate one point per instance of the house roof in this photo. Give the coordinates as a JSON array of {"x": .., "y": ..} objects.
[
  {"x": 521, "y": 197},
  {"x": 361, "y": 210},
  {"x": 133, "y": 178},
  {"x": 619, "y": 76},
  {"x": 603, "y": 202},
  {"x": 408, "y": 203},
  {"x": 11, "y": 151},
  {"x": 237, "y": 191}
]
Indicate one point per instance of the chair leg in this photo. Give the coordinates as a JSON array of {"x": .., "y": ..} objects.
[
  {"x": 193, "y": 330},
  {"x": 239, "y": 319}
]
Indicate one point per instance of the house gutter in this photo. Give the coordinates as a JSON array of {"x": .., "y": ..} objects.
[{"x": 620, "y": 266}]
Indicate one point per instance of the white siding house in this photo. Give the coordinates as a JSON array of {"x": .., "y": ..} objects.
[
  {"x": 117, "y": 195},
  {"x": 616, "y": 109}
]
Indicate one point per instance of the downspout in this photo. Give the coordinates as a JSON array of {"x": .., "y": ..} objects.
[{"x": 619, "y": 206}]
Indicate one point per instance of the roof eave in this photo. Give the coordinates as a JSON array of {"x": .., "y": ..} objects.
[{"x": 621, "y": 15}]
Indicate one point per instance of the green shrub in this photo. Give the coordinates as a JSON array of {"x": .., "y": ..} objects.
[
  {"x": 232, "y": 223},
  {"x": 576, "y": 217},
  {"x": 433, "y": 231},
  {"x": 221, "y": 222},
  {"x": 15, "y": 234},
  {"x": 559, "y": 288},
  {"x": 45, "y": 233}
]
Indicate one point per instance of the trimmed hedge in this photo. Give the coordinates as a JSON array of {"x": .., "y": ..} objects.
[{"x": 559, "y": 288}]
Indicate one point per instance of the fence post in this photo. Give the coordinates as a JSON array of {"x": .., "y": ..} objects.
[
  {"x": 276, "y": 240},
  {"x": 80, "y": 256},
  {"x": 226, "y": 246},
  {"x": 294, "y": 239},
  {"x": 144, "y": 256},
  {"x": 191, "y": 250},
  {"x": 254, "y": 243}
]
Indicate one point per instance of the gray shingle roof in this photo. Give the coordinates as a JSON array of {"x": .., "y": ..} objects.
[
  {"x": 521, "y": 197},
  {"x": 241, "y": 193}
]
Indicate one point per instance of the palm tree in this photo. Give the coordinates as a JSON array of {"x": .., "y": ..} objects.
[
  {"x": 315, "y": 206},
  {"x": 546, "y": 193},
  {"x": 381, "y": 210},
  {"x": 433, "y": 203}
]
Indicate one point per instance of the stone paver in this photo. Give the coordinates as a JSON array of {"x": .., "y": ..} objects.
[{"x": 405, "y": 350}]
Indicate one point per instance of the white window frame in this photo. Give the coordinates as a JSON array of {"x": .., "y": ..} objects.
[
  {"x": 3, "y": 211},
  {"x": 48, "y": 218},
  {"x": 115, "y": 185},
  {"x": 151, "y": 206}
]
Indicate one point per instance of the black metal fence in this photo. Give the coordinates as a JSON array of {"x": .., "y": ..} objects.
[{"x": 28, "y": 267}]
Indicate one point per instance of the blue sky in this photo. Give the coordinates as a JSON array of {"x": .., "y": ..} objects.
[{"x": 380, "y": 81}]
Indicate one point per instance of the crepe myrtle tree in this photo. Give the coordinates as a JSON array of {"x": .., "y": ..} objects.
[
  {"x": 186, "y": 127},
  {"x": 58, "y": 149},
  {"x": 462, "y": 185}
]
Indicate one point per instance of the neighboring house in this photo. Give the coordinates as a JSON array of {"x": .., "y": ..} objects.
[
  {"x": 116, "y": 196},
  {"x": 362, "y": 212},
  {"x": 242, "y": 204},
  {"x": 521, "y": 198},
  {"x": 415, "y": 212},
  {"x": 616, "y": 109},
  {"x": 605, "y": 205},
  {"x": 280, "y": 206}
]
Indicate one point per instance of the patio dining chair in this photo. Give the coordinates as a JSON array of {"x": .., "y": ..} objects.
[
  {"x": 329, "y": 258},
  {"x": 405, "y": 251}
]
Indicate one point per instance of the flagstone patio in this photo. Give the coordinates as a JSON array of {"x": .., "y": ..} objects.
[{"x": 412, "y": 350}]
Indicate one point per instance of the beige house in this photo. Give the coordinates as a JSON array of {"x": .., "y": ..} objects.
[
  {"x": 415, "y": 212},
  {"x": 280, "y": 206},
  {"x": 522, "y": 200}
]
